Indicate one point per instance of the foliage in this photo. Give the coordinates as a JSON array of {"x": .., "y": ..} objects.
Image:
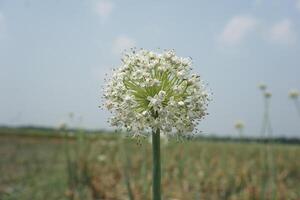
[{"x": 34, "y": 168}]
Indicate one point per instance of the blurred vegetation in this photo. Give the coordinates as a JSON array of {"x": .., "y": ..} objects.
[
  {"x": 29, "y": 131},
  {"x": 45, "y": 163}
]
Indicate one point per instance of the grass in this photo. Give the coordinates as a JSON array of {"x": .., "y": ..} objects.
[{"x": 110, "y": 167}]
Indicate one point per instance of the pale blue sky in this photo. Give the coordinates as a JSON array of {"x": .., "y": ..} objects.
[{"x": 54, "y": 55}]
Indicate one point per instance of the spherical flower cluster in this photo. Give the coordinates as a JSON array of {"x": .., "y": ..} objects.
[
  {"x": 153, "y": 91},
  {"x": 294, "y": 94}
]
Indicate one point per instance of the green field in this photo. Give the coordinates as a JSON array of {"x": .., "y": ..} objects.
[{"x": 103, "y": 166}]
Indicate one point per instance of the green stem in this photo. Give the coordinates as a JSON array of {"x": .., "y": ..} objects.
[
  {"x": 297, "y": 104},
  {"x": 156, "y": 173}
]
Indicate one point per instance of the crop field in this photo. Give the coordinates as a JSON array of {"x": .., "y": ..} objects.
[{"x": 110, "y": 167}]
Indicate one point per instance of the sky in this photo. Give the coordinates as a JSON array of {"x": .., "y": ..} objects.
[{"x": 54, "y": 56}]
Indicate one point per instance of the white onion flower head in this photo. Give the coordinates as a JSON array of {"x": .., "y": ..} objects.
[
  {"x": 155, "y": 90},
  {"x": 294, "y": 94}
]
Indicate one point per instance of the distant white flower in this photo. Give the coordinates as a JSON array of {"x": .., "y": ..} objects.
[
  {"x": 268, "y": 95},
  {"x": 152, "y": 90},
  {"x": 262, "y": 86},
  {"x": 62, "y": 125},
  {"x": 239, "y": 125},
  {"x": 294, "y": 94}
]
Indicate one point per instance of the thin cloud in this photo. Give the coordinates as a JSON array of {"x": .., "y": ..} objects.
[
  {"x": 282, "y": 32},
  {"x": 122, "y": 43},
  {"x": 237, "y": 29},
  {"x": 104, "y": 9}
]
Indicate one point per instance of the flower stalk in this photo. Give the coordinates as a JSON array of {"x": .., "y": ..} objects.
[
  {"x": 294, "y": 95},
  {"x": 156, "y": 173}
]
